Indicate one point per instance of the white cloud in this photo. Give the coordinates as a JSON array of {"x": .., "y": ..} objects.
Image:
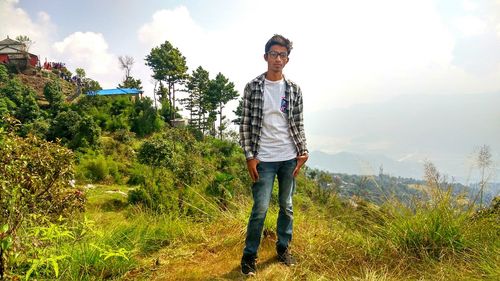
[
  {"x": 469, "y": 5},
  {"x": 15, "y": 21},
  {"x": 89, "y": 50},
  {"x": 471, "y": 26}
]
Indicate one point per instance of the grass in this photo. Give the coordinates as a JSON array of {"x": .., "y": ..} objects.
[{"x": 336, "y": 241}]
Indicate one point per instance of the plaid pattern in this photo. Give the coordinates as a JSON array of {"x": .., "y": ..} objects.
[{"x": 251, "y": 121}]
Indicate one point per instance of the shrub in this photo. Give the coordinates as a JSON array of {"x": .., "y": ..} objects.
[
  {"x": 34, "y": 179},
  {"x": 99, "y": 169},
  {"x": 4, "y": 73}
]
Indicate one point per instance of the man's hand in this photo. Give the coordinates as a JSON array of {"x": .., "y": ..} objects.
[
  {"x": 252, "y": 169},
  {"x": 300, "y": 161}
]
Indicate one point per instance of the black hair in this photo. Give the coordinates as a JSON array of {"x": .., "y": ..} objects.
[{"x": 279, "y": 40}]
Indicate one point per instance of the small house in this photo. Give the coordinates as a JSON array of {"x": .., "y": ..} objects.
[{"x": 12, "y": 51}]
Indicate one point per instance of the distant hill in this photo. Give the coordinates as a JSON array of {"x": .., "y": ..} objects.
[{"x": 366, "y": 164}]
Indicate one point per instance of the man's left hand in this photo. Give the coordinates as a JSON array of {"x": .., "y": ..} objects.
[{"x": 300, "y": 161}]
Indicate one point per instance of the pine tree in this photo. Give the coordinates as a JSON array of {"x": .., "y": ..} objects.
[{"x": 169, "y": 65}]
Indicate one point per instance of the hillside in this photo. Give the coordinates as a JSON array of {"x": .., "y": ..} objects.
[
  {"x": 103, "y": 188},
  {"x": 38, "y": 81}
]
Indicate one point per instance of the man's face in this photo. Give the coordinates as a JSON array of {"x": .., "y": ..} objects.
[{"x": 276, "y": 58}]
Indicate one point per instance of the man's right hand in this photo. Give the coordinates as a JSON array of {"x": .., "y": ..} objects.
[{"x": 252, "y": 169}]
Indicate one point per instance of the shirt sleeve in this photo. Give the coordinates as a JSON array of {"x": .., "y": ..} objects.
[
  {"x": 298, "y": 116},
  {"x": 245, "y": 125}
]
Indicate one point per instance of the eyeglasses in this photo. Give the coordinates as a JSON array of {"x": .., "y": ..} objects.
[{"x": 275, "y": 55}]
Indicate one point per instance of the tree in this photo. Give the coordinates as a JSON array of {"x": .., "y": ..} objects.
[
  {"x": 220, "y": 92},
  {"x": 238, "y": 112},
  {"x": 80, "y": 72},
  {"x": 144, "y": 119},
  {"x": 126, "y": 64},
  {"x": 26, "y": 41},
  {"x": 169, "y": 65},
  {"x": 53, "y": 94},
  {"x": 29, "y": 109},
  {"x": 197, "y": 87},
  {"x": 175, "y": 150},
  {"x": 130, "y": 82},
  {"x": 74, "y": 130}
]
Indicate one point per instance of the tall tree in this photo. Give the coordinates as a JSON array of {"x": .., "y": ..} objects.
[
  {"x": 197, "y": 86},
  {"x": 220, "y": 92},
  {"x": 169, "y": 65}
]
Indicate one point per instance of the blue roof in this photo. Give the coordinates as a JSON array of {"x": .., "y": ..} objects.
[{"x": 119, "y": 91}]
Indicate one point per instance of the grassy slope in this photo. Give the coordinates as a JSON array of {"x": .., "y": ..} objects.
[
  {"x": 329, "y": 244},
  {"x": 37, "y": 82}
]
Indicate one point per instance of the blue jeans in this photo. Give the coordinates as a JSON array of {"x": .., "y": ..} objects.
[{"x": 261, "y": 191}]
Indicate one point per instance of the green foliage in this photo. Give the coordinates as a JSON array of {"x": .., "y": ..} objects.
[
  {"x": 137, "y": 175},
  {"x": 53, "y": 94},
  {"x": 144, "y": 118},
  {"x": 197, "y": 86},
  {"x": 432, "y": 232},
  {"x": 130, "y": 82},
  {"x": 74, "y": 130},
  {"x": 90, "y": 85},
  {"x": 222, "y": 189},
  {"x": 156, "y": 152},
  {"x": 80, "y": 72},
  {"x": 238, "y": 112},
  {"x": 4, "y": 74},
  {"x": 175, "y": 150},
  {"x": 19, "y": 101},
  {"x": 167, "y": 63},
  {"x": 220, "y": 92},
  {"x": 39, "y": 128},
  {"x": 34, "y": 179},
  {"x": 99, "y": 169},
  {"x": 13, "y": 90}
]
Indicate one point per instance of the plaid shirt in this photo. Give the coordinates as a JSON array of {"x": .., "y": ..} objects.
[{"x": 251, "y": 120}]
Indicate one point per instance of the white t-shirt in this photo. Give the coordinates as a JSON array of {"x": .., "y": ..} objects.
[{"x": 276, "y": 143}]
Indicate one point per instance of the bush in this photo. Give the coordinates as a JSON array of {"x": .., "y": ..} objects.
[
  {"x": 137, "y": 175},
  {"x": 34, "y": 179},
  {"x": 4, "y": 73},
  {"x": 99, "y": 169},
  {"x": 154, "y": 197}
]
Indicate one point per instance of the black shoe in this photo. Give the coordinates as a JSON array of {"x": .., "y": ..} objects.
[
  {"x": 248, "y": 265},
  {"x": 285, "y": 257}
]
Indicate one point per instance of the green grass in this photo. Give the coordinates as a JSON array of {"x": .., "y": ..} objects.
[{"x": 336, "y": 241}]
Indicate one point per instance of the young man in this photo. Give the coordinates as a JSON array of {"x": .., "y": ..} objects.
[{"x": 273, "y": 139}]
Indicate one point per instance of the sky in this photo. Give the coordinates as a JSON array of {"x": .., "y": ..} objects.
[{"x": 413, "y": 80}]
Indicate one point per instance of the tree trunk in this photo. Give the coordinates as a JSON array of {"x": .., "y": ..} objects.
[
  {"x": 173, "y": 102},
  {"x": 155, "y": 95},
  {"x": 220, "y": 120}
]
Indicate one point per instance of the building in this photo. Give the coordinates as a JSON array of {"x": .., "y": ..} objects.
[{"x": 12, "y": 51}]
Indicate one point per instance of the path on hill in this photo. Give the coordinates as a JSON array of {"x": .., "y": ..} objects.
[{"x": 216, "y": 259}]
